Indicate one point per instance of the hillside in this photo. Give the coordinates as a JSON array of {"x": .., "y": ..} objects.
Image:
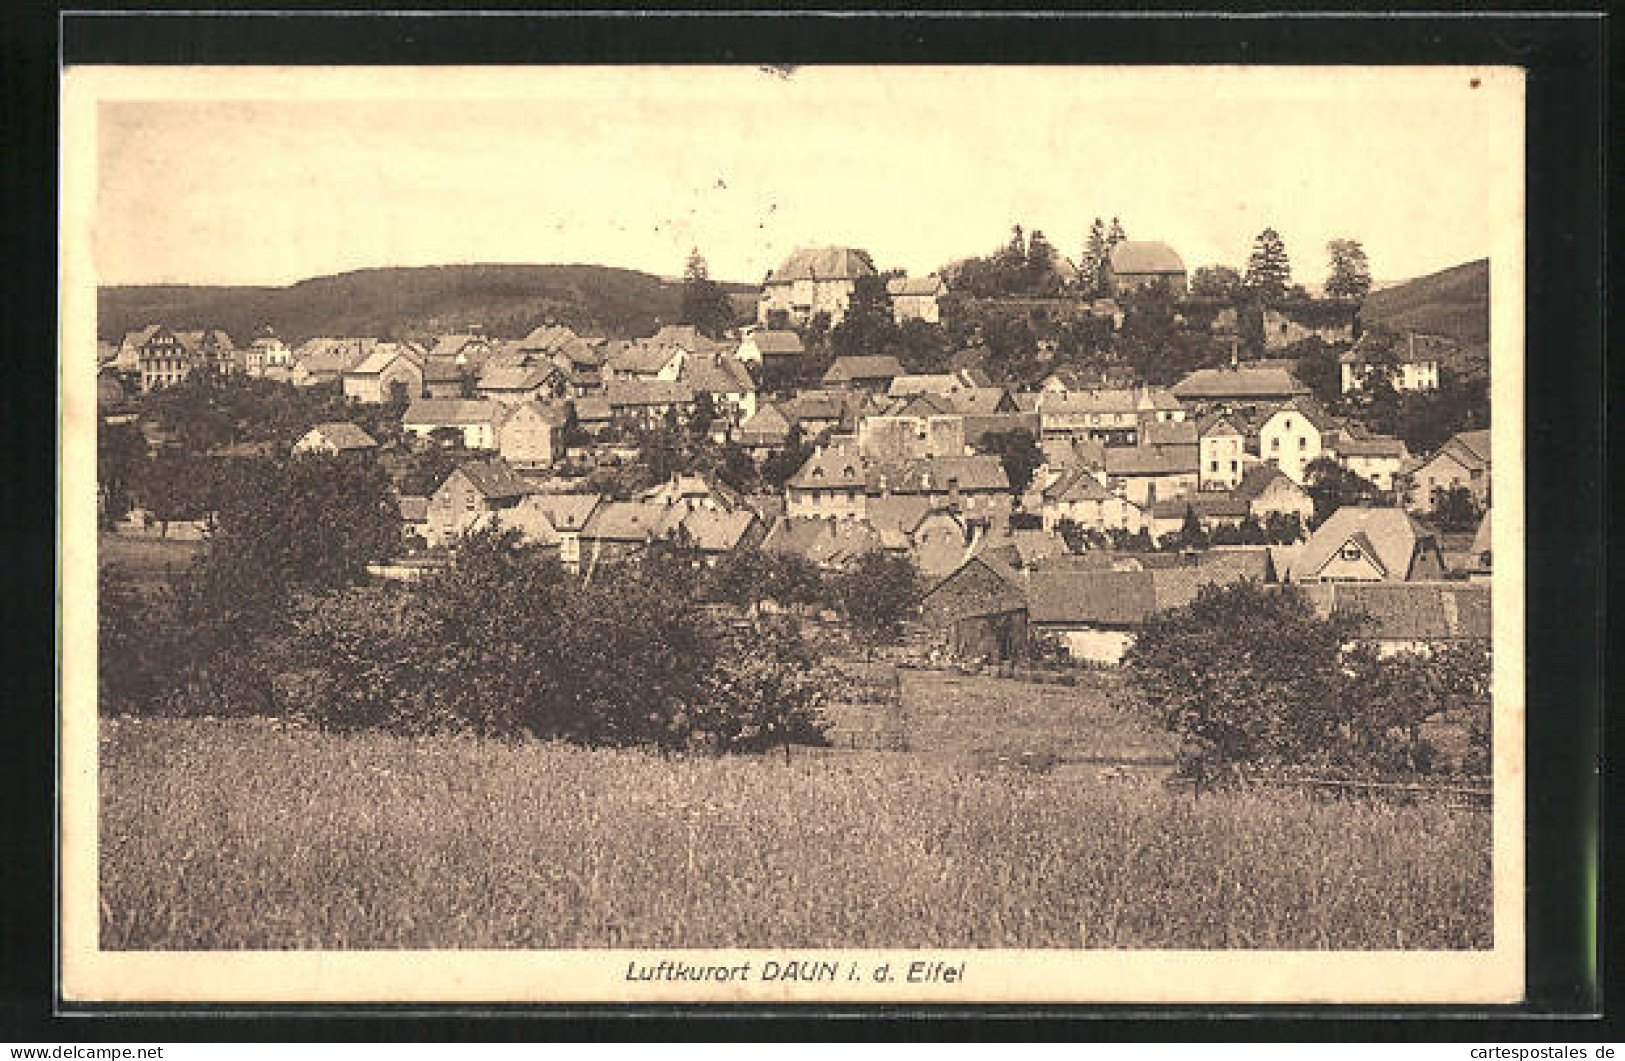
[
  {"x": 1454, "y": 302},
  {"x": 507, "y": 300}
]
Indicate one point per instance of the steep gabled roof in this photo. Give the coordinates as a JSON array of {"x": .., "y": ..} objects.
[
  {"x": 1387, "y": 535},
  {"x": 643, "y": 357},
  {"x": 566, "y": 513},
  {"x": 717, "y": 374},
  {"x": 1076, "y": 484},
  {"x": 767, "y": 425},
  {"x": 552, "y": 413},
  {"x": 495, "y": 478},
  {"x": 713, "y": 531},
  {"x": 383, "y": 354},
  {"x": 823, "y": 263},
  {"x": 835, "y": 467},
  {"x": 1307, "y": 407},
  {"x": 1475, "y": 442},
  {"x": 1259, "y": 478}
]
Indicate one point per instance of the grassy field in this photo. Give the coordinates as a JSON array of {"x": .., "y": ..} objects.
[
  {"x": 237, "y": 835},
  {"x": 979, "y": 720}
]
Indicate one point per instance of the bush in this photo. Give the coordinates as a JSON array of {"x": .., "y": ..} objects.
[
  {"x": 1243, "y": 673},
  {"x": 877, "y": 594},
  {"x": 505, "y": 644},
  {"x": 763, "y": 691},
  {"x": 1249, "y": 674}
]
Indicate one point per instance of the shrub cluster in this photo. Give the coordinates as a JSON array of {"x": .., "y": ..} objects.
[
  {"x": 1254, "y": 675},
  {"x": 505, "y": 643}
]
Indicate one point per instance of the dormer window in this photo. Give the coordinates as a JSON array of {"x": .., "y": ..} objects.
[{"x": 1350, "y": 551}]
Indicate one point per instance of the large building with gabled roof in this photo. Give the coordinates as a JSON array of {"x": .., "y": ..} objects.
[{"x": 813, "y": 280}]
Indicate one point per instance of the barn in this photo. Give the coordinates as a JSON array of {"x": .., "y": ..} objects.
[{"x": 980, "y": 610}]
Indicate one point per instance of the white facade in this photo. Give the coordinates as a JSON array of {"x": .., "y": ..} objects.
[
  {"x": 1291, "y": 440},
  {"x": 1223, "y": 459}
]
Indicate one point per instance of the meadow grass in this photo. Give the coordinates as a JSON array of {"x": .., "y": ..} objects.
[
  {"x": 230, "y": 835},
  {"x": 974, "y": 719}
]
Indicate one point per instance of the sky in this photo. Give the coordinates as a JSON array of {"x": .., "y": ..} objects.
[{"x": 272, "y": 176}]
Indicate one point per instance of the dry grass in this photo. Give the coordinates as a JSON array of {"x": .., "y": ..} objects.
[
  {"x": 976, "y": 719},
  {"x": 232, "y": 835}
]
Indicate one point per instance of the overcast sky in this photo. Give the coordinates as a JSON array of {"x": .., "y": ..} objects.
[{"x": 274, "y": 176}]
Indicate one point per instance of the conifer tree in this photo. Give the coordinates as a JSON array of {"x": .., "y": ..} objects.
[{"x": 1269, "y": 270}]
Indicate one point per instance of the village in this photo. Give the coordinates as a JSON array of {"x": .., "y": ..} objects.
[{"x": 1002, "y": 425}]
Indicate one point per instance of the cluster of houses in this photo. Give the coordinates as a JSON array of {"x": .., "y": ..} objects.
[{"x": 900, "y": 462}]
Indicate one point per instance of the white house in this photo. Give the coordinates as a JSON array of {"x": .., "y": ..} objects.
[
  {"x": 917, "y": 298},
  {"x": 1293, "y": 435},
  {"x": 1414, "y": 367},
  {"x": 812, "y": 281},
  {"x": 475, "y": 419},
  {"x": 1222, "y": 451}
]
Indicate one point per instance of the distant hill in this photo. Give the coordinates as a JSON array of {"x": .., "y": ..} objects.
[
  {"x": 506, "y": 300},
  {"x": 1454, "y": 302}
]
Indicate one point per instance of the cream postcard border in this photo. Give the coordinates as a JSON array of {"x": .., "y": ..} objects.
[{"x": 89, "y": 974}]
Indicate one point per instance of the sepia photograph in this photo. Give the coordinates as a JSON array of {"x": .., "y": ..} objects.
[{"x": 793, "y": 533}]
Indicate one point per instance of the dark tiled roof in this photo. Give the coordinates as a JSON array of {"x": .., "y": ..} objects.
[
  {"x": 1149, "y": 460},
  {"x": 1241, "y": 382},
  {"x": 863, "y": 367},
  {"x": 626, "y": 393},
  {"x": 450, "y": 412},
  {"x": 1410, "y": 611}
]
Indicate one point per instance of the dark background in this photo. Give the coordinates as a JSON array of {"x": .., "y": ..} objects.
[{"x": 1566, "y": 402}]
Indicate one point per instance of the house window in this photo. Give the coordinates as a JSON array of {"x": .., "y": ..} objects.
[
  {"x": 1350, "y": 552},
  {"x": 1212, "y": 466},
  {"x": 1275, "y": 444},
  {"x": 1303, "y": 443}
]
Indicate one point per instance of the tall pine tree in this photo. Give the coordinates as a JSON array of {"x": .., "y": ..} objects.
[
  {"x": 705, "y": 305},
  {"x": 1350, "y": 271},
  {"x": 1269, "y": 270},
  {"x": 1115, "y": 236},
  {"x": 1092, "y": 267}
]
